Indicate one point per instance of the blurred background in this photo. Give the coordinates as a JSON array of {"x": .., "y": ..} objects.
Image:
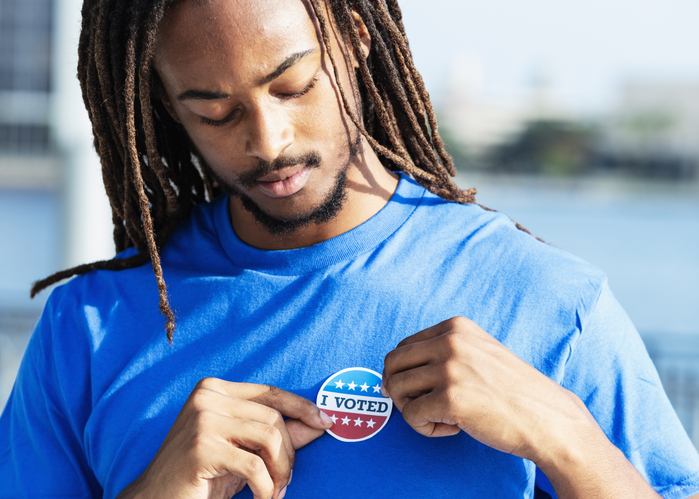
[{"x": 579, "y": 120}]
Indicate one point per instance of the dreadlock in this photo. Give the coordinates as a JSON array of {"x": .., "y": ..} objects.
[{"x": 151, "y": 172}]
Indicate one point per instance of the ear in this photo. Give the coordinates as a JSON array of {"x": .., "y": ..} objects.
[
  {"x": 158, "y": 93},
  {"x": 167, "y": 103},
  {"x": 364, "y": 37}
]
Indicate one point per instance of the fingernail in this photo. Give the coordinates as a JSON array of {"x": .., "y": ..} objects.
[
  {"x": 383, "y": 391},
  {"x": 325, "y": 418},
  {"x": 291, "y": 474},
  {"x": 282, "y": 493}
]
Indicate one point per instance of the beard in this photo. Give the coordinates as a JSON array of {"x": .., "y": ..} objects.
[{"x": 328, "y": 209}]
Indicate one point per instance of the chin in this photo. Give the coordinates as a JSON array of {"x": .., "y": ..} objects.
[{"x": 323, "y": 212}]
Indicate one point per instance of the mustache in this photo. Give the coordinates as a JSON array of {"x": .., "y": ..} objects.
[{"x": 249, "y": 179}]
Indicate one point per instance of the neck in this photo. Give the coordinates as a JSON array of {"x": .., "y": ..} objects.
[{"x": 369, "y": 186}]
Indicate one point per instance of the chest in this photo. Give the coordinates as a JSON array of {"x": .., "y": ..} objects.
[{"x": 294, "y": 333}]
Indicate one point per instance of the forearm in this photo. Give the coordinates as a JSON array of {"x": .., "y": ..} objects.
[{"x": 581, "y": 462}]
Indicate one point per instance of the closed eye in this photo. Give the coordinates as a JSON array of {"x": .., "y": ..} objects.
[
  {"x": 234, "y": 114},
  {"x": 221, "y": 122},
  {"x": 303, "y": 92}
]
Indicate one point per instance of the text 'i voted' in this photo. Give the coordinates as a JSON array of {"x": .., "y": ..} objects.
[{"x": 353, "y": 400}]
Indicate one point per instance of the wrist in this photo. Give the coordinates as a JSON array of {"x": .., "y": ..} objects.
[
  {"x": 570, "y": 441},
  {"x": 581, "y": 462}
]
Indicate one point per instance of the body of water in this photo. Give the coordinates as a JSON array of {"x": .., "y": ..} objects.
[{"x": 644, "y": 235}]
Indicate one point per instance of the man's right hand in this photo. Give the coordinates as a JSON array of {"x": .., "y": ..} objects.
[{"x": 229, "y": 434}]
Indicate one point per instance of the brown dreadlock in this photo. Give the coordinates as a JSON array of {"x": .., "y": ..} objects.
[{"x": 152, "y": 174}]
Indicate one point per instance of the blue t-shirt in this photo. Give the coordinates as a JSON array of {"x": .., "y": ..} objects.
[{"x": 99, "y": 386}]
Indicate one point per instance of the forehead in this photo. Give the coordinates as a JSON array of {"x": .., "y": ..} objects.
[{"x": 202, "y": 37}]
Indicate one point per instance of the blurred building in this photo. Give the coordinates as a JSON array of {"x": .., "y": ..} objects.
[
  {"x": 29, "y": 171},
  {"x": 53, "y": 210},
  {"x": 474, "y": 125},
  {"x": 469, "y": 122},
  {"x": 25, "y": 76},
  {"x": 655, "y": 130}
]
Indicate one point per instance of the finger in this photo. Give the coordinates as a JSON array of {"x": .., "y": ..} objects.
[
  {"x": 405, "y": 386},
  {"x": 267, "y": 442},
  {"x": 407, "y": 357},
  {"x": 216, "y": 402},
  {"x": 437, "y": 329},
  {"x": 294, "y": 407},
  {"x": 426, "y": 334},
  {"x": 289, "y": 404},
  {"x": 302, "y": 434},
  {"x": 251, "y": 468},
  {"x": 425, "y": 414}
]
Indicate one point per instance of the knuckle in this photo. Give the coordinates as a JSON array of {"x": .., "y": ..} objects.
[
  {"x": 271, "y": 416},
  {"x": 458, "y": 322},
  {"x": 450, "y": 373},
  {"x": 272, "y": 436},
  {"x": 453, "y": 341},
  {"x": 389, "y": 361},
  {"x": 410, "y": 411},
  {"x": 253, "y": 465},
  {"x": 201, "y": 443},
  {"x": 274, "y": 392},
  {"x": 388, "y": 382},
  {"x": 206, "y": 383},
  {"x": 408, "y": 378},
  {"x": 199, "y": 398}
]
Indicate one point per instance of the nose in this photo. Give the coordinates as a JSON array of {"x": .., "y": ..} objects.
[{"x": 270, "y": 133}]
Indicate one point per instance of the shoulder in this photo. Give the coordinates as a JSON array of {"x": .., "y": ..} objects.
[
  {"x": 195, "y": 234},
  {"x": 114, "y": 308},
  {"x": 533, "y": 297},
  {"x": 500, "y": 252}
]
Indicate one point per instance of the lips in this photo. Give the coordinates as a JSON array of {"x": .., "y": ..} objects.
[{"x": 284, "y": 182}]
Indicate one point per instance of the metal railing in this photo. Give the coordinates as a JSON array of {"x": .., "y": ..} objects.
[{"x": 676, "y": 356}]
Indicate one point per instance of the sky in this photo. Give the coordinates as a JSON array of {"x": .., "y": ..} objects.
[{"x": 586, "y": 49}]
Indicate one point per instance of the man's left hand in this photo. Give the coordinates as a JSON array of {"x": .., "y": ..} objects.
[{"x": 454, "y": 376}]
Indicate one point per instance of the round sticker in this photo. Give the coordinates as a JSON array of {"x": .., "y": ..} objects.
[{"x": 352, "y": 398}]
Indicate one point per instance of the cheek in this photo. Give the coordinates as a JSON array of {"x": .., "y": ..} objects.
[
  {"x": 217, "y": 146},
  {"x": 326, "y": 117}
]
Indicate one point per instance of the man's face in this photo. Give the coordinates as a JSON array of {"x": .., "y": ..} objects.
[{"x": 255, "y": 91}]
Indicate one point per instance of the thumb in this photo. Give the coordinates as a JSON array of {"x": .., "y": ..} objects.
[{"x": 301, "y": 434}]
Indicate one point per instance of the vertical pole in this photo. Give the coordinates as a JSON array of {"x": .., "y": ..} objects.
[{"x": 87, "y": 217}]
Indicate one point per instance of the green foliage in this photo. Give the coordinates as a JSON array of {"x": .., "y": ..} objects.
[{"x": 546, "y": 146}]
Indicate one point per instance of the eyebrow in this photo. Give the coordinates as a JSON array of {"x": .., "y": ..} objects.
[{"x": 288, "y": 62}]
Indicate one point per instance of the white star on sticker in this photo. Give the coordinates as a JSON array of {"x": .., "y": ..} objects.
[
  {"x": 339, "y": 384},
  {"x": 370, "y": 423},
  {"x": 345, "y": 420},
  {"x": 358, "y": 421},
  {"x": 377, "y": 388},
  {"x": 351, "y": 386},
  {"x": 364, "y": 387},
  {"x": 334, "y": 418}
]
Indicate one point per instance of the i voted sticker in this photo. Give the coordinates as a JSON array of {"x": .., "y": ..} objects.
[{"x": 352, "y": 398}]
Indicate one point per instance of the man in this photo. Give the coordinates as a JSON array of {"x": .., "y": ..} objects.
[{"x": 322, "y": 258}]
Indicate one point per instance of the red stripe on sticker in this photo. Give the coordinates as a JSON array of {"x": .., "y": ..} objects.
[{"x": 355, "y": 426}]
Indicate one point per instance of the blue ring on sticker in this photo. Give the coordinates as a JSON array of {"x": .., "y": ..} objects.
[{"x": 353, "y": 400}]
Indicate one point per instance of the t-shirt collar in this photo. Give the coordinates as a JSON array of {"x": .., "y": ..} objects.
[{"x": 346, "y": 246}]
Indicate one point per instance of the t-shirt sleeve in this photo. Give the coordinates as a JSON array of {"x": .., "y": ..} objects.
[
  {"x": 610, "y": 370},
  {"x": 41, "y": 449}
]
